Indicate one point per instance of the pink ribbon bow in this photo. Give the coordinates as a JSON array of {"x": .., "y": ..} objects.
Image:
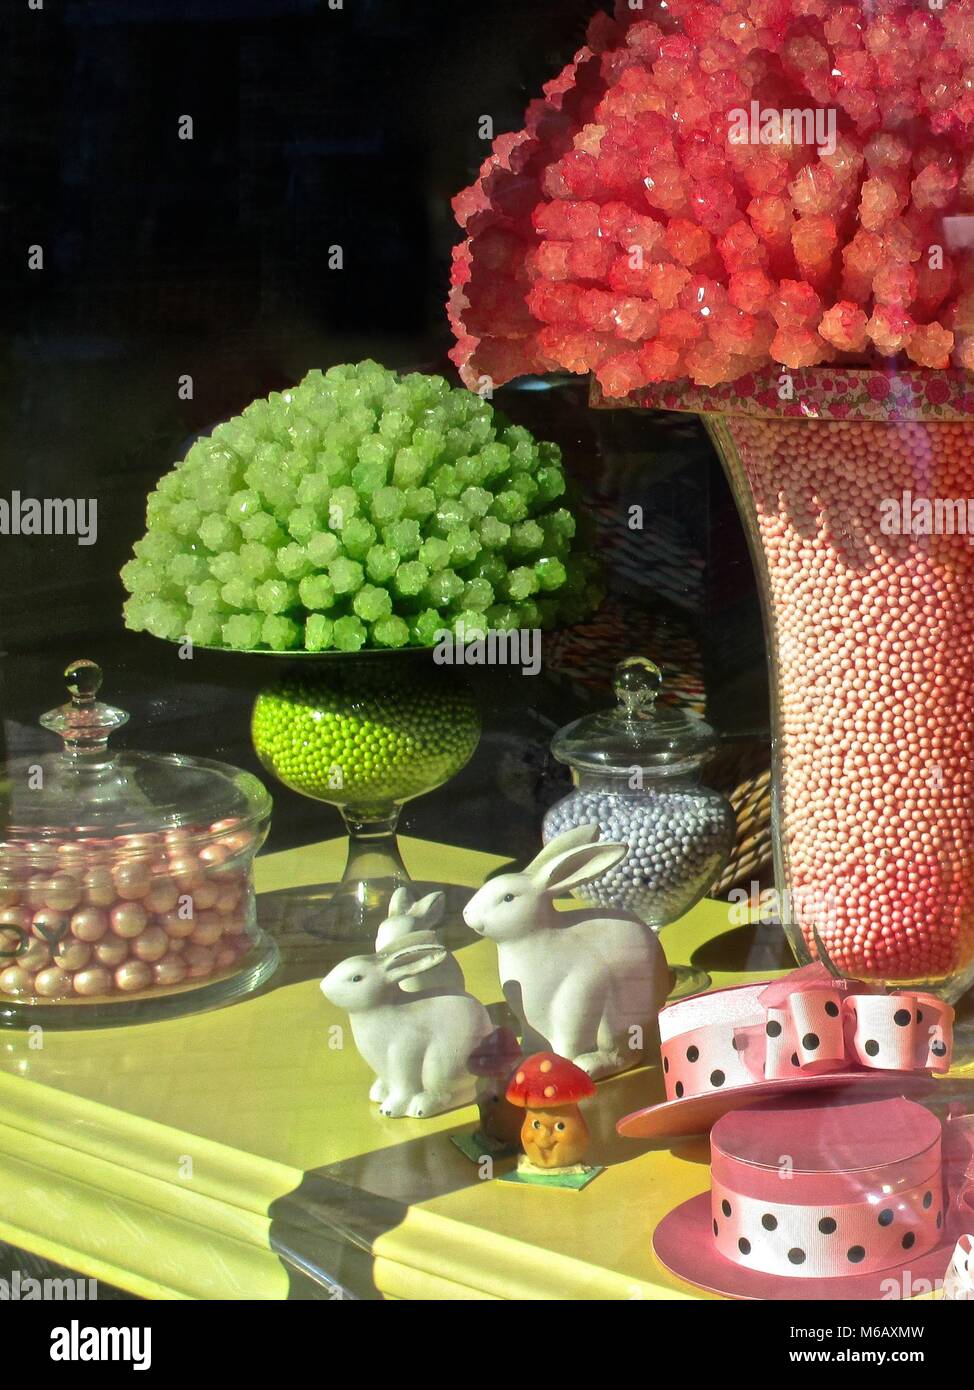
[{"x": 816, "y": 1024}]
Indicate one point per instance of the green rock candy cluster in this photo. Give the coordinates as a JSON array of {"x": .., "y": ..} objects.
[{"x": 360, "y": 509}]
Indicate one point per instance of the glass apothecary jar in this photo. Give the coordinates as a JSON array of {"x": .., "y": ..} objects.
[
  {"x": 637, "y": 770},
  {"x": 125, "y": 878}
]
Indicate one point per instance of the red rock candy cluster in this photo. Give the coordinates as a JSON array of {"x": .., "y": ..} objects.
[
  {"x": 622, "y": 232},
  {"x": 875, "y": 686}
]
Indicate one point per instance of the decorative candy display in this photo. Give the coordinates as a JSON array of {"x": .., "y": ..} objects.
[
  {"x": 636, "y": 772},
  {"x": 585, "y": 985},
  {"x": 715, "y": 185},
  {"x": 356, "y": 738},
  {"x": 554, "y": 1134},
  {"x": 418, "y": 1045},
  {"x": 125, "y": 876},
  {"x": 806, "y": 1031},
  {"x": 864, "y": 1207},
  {"x": 360, "y": 509}
]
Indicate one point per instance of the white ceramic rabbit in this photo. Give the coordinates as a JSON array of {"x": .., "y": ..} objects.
[
  {"x": 586, "y": 984},
  {"x": 418, "y": 1046},
  {"x": 417, "y": 921}
]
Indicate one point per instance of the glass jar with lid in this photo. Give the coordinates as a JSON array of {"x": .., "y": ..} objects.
[
  {"x": 636, "y": 771},
  {"x": 125, "y": 878}
]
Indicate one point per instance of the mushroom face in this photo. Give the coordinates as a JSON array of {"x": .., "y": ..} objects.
[{"x": 555, "y": 1138}]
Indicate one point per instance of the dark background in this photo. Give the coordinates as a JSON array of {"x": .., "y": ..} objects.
[{"x": 312, "y": 127}]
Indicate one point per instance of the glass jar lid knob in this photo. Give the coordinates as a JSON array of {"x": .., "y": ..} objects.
[
  {"x": 84, "y": 723},
  {"x": 637, "y": 681}
]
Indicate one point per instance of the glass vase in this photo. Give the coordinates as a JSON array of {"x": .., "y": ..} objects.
[{"x": 856, "y": 489}]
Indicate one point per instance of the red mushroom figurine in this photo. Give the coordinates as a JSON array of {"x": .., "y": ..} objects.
[{"x": 554, "y": 1135}]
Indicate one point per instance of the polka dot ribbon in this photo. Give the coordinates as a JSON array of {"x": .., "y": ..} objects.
[
  {"x": 829, "y": 1240},
  {"x": 959, "y": 1279},
  {"x": 806, "y": 1024}
]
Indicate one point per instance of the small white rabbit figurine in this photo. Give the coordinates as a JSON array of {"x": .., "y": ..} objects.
[
  {"x": 418, "y": 1046},
  {"x": 418, "y": 921},
  {"x": 586, "y": 984}
]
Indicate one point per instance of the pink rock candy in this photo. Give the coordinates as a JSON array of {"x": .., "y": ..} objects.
[{"x": 590, "y": 233}]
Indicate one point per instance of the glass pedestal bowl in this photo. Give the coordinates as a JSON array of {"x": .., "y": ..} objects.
[{"x": 365, "y": 733}]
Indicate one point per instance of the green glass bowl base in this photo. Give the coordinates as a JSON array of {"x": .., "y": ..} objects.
[{"x": 353, "y": 912}]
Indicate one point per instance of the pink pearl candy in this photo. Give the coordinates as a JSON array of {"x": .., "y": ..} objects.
[
  {"x": 151, "y": 945},
  {"x": 94, "y": 982},
  {"x": 62, "y": 892},
  {"x": 208, "y": 929},
  {"x": 49, "y": 925},
  {"x": 133, "y": 976},
  {"x": 171, "y": 970},
  {"x": 99, "y": 888},
  {"x": 128, "y": 919},
  {"x": 52, "y": 983},
  {"x": 72, "y": 955},
  {"x": 199, "y": 960},
  {"x": 14, "y": 981},
  {"x": 132, "y": 879},
  {"x": 176, "y": 926},
  {"x": 112, "y": 952},
  {"x": 89, "y": 924}
]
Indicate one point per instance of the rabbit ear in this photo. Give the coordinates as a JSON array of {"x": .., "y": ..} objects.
[
  {"x": 578, "y": 865},
  {"x": 568, "y": 839},
  {"x": 430, "y": 909},
  {"x": 400, "y": 902},
  {"x": 404, "y": 961}
]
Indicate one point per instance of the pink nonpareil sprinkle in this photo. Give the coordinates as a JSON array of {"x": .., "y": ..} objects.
[{"x": 625, "y": 199}]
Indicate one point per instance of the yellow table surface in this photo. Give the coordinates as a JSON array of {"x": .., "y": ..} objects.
[{"x": 234, "y": 1154}]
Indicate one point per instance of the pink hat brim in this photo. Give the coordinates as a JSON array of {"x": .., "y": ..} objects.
[
  {"x": 695, "y": 1115},
  {"x": 684, "y": 1246}
]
